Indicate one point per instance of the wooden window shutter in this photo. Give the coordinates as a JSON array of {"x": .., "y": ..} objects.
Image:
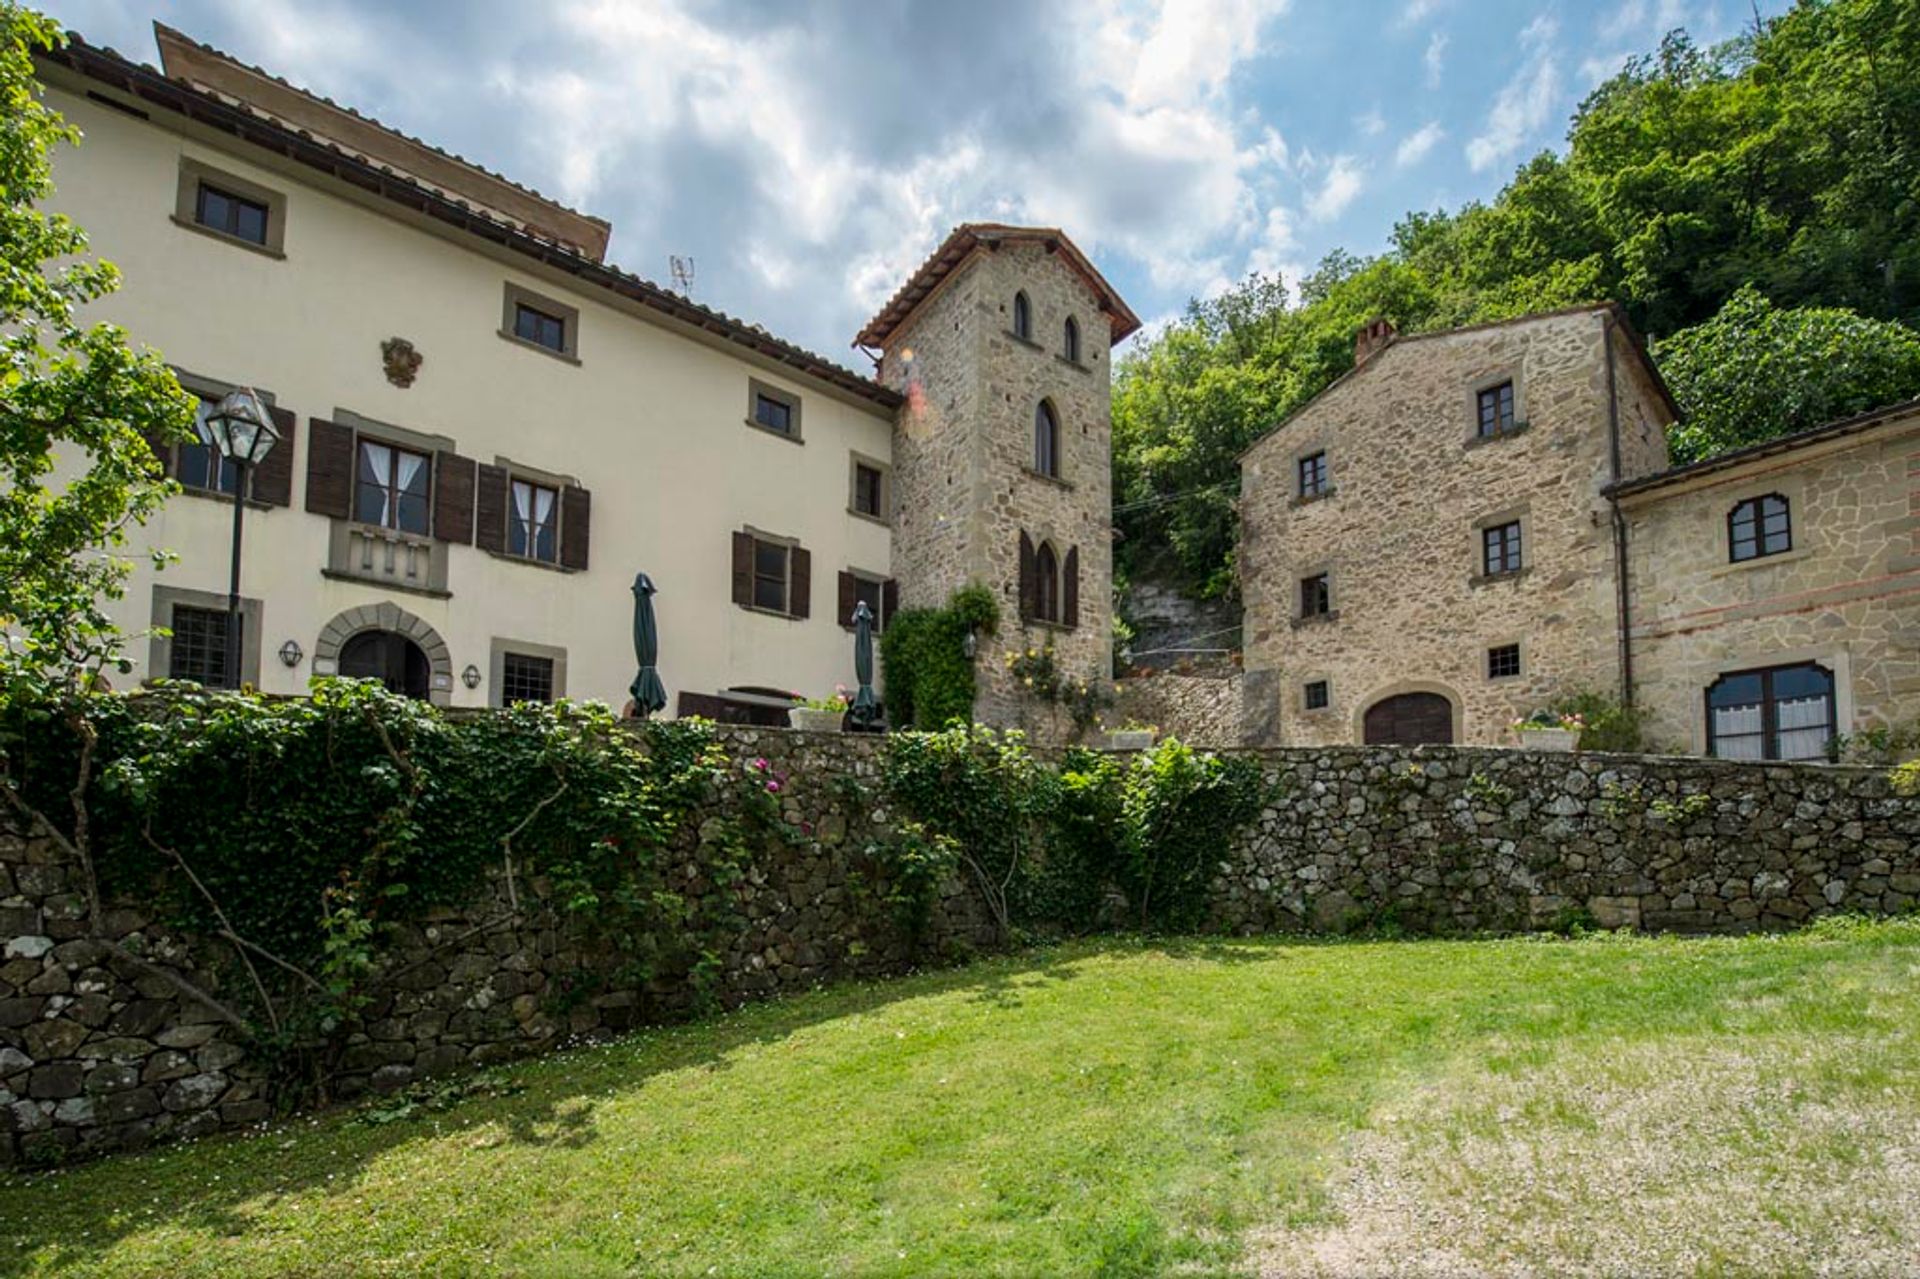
[
  {"x": 490, "y": 508},
  {"x": 743, "y": 569},
  {"x": 329, "y": 468},
  {"x": 273, "y": 478},
  {"x": 453, "y": 482},
  {"x": 849, "y": 597},
  {"x": 1070, "y": 589},
  {"x": 1026, "y": 575},
  {"x": 800, "y": 583},
  {"x": 576, "y": 526},
  {"x": 889, "y": 601}
]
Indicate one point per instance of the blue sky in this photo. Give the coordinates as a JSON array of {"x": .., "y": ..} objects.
[{"x": 808, "y": 156}]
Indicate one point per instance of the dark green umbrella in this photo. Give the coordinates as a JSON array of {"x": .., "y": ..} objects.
[
  {"x": 649, "y": 694},
  {"x": 865, "y": 710}
]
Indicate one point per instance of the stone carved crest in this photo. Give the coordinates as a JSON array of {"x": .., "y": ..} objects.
[{"x": 402, "y": 361}]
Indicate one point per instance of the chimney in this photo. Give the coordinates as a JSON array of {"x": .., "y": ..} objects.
[{"x": 1372, "y": 339}]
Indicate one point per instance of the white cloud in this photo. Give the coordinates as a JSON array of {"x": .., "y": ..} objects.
[
  {"x": 1415, "y": 12},
  {"x": 1372, "y": 124},
  {"x": 1527, "y": 101},
  {"x": 1338, "y": 190},
  {"x": 1416, "y": 145},
  {"x": 1436, "y": 58}
]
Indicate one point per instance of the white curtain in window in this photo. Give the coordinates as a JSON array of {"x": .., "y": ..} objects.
[
  {"x": 542, "y": 508},
  {"x": 410, "y": 464},
  {"x": 1737, "y": 733},
  {"x": 376, "y": 462},
  {"x": 523, "y": 505},
  {"x": 1803, "y": 727}
]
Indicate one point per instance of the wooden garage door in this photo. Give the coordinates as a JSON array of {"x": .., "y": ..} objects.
[{"x": 1411, "y": 719}]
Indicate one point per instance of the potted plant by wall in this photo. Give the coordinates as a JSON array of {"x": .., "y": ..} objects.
[
  {"x": 1132, "y": 736},
  {"x": 1546, "y": 730},
  {"x": 820, "y": 714}
]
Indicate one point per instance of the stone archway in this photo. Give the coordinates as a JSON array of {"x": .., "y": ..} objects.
[{"x": 386, "y": 616}]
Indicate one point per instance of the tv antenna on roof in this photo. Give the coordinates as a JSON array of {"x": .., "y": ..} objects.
[{"x": 682, "y": 269}]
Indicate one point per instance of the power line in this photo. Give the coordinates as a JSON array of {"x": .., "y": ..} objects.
[{"x": 1162, "y": 499}]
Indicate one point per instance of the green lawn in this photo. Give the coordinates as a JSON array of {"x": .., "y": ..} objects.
[{"x": 1614, "y": 1104}]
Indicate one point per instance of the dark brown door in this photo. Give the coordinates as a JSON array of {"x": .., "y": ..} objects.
[
  {"x": 394, "y": 660},
  {"x": 1411, "y": 719}
]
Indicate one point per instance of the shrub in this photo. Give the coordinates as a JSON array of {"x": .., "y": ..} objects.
[{"x": 928, "y": 676}]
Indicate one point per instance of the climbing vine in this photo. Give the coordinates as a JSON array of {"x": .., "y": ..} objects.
[{"x": 929, "y": 677}]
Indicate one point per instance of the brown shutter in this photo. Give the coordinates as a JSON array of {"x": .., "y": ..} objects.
[
  {"x": 490, "y": 508},
  {"x": 743, "y": 569},
  {"x": 1070, "y": 589},
  {"x": 889, "y": 602},
  {"x": 329, "y": 468},
  {"x": 800, "y": 584},
  {"x": 453, "y": 483},
  {"x": 273, "y": 478},
  {"x": 576, "y": 526},
  {"x": 1027, "y": 575},
  {"x": 849, "y": 597}
]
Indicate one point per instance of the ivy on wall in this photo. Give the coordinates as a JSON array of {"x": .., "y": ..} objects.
[{"x": 929, "y": 677}]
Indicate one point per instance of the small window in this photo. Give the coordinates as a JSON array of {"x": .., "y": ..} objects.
[
  {"x": 1046, "y": 440},
  {"x": 525, "y": 678},
  {"x": 1046, "y": 584},
  {"x": 773, "y": 409},
  {"x": 1022, "y": 317},
  {"x": 1316, "y": 595},
  {"x": 231, "y": 214},
  {"x": 199, "y": 648},
  {"x": 1496, "y": 410},
  {"x": 1503, "y": 661},
  {"x": 1070, "y": 340},
  {"x": 1500, "y": 549},
  {"x": 1784, "y": 712},
  {"x": 1758, "y": 527},
  {"x": 390, "y": 488},
  {"x": 531, "y": 324},
  {"x": 869, "y": 491},
  {"x": 1316, "y": 696},
  {"x": 533, "y": 523},
  {"x": 771, "y": 565},
  {"x": 1313, "y": 475},
  {"x": 198, "y": 465}
]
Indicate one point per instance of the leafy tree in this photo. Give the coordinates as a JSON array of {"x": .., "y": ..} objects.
[
  {"x": 75, "y": 401},
  {"x": 1755, "y": 371}
]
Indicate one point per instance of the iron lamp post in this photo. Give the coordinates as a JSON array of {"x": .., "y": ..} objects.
[{"x": 240, "y": 430}]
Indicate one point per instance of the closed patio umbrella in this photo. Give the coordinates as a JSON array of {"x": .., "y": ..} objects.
[
  {"x": 865, "y": 711},
  {"x": 649, "y": 694}
]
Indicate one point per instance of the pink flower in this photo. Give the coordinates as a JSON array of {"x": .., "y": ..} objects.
[
  {"x": 773, "y": 788},
  {"x": 760, "y": 765}
]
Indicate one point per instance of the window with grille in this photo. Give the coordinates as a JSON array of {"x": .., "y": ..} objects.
[
  {"x": 1503, "y": 662},
  {"x": 1313, "y": 475},
  {"x": 525, "y": 678},
  {"x": 533, "y": 325},
  {"x": 1500, "y": 549},
  {"x": 1783, "y": 712},
  {"x": 533, "y": 523},
  {"x": 1316, "y": 595},
  {"x": 230, "y": 214},
  {"x": 198, "y": 650},
  {"x": 390, "y": 488},
  {"x": 1496, "y": 410},
  {"x": 1316, "y": 695},
  {"x": 1759, "y": 526}
]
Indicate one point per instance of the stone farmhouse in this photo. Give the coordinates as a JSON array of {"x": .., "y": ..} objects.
[
  {"x": 1471, "y": 523},
  {"x": 489, "y": 429}
]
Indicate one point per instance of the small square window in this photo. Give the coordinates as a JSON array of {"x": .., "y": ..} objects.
[
  {"x": 1316, "y": 595},
  {"x": 230, "y": 214},
  {"x": 1500, "y": 549},
  {"x": 869, "y": 490},
  {"x": 1496, "y": 410},
  {"x": 533, "y": 325},
  {"x": 1758, "y": 527},
  {"x": 1313, "y": 475},
  {"x": 1503, "y": 661},
  {"x": 199, "y": 648},
  {"x": 773, "y": 408},
  {"x": 1316, "y": 696},
  {"x": 770, "y": 564},
  {"x": 525, "y": 678}
]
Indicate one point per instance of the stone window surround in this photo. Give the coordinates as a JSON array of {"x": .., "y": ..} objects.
[
  {"x": 186, "y": 206},
  {"x": 214, "y": 389},
  {"x": 775, "y": 539},
  {"x": 1791, "y": 486},
  {"x": 1837, "y": 660},
  {"x": 1506, "y": 641},
  {"x": 497, "y": 662},
  {"x": 1522, "y": 515},
  {"x": 339, "y": 565},
  {"x": 385, "y": 615},
  {"x": 1301, "y": 454},
  {"x": 548, "y": 479},
  {"x": 1470, "y": 400},
  {"x": 855, "y": 461},
  {"x": 1299, "y": 618},
  {"x": 160, "y": 647},
  {"x": 1317, "y": 678},
  {"x": 514, "y": 295},
  {"x": 757, "y": 388}
]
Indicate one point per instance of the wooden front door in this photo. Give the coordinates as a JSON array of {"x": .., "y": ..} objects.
[{"x": 1411, "y": 719}]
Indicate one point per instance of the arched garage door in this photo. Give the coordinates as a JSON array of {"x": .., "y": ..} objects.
[{"x": 1410, "y": 719}]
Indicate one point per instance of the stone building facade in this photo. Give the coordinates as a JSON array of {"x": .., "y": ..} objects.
[
  {"x": 999, "y": 346},
  {"x": 1471, "y": 524}
]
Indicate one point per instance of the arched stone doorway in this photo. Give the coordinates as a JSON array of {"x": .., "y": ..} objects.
[
  {"x": 1409, "y": 719},
  {"x": 399, "y": 649}
]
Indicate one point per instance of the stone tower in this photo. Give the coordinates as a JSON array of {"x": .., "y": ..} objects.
[{"x": 1000, "y": 343}]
